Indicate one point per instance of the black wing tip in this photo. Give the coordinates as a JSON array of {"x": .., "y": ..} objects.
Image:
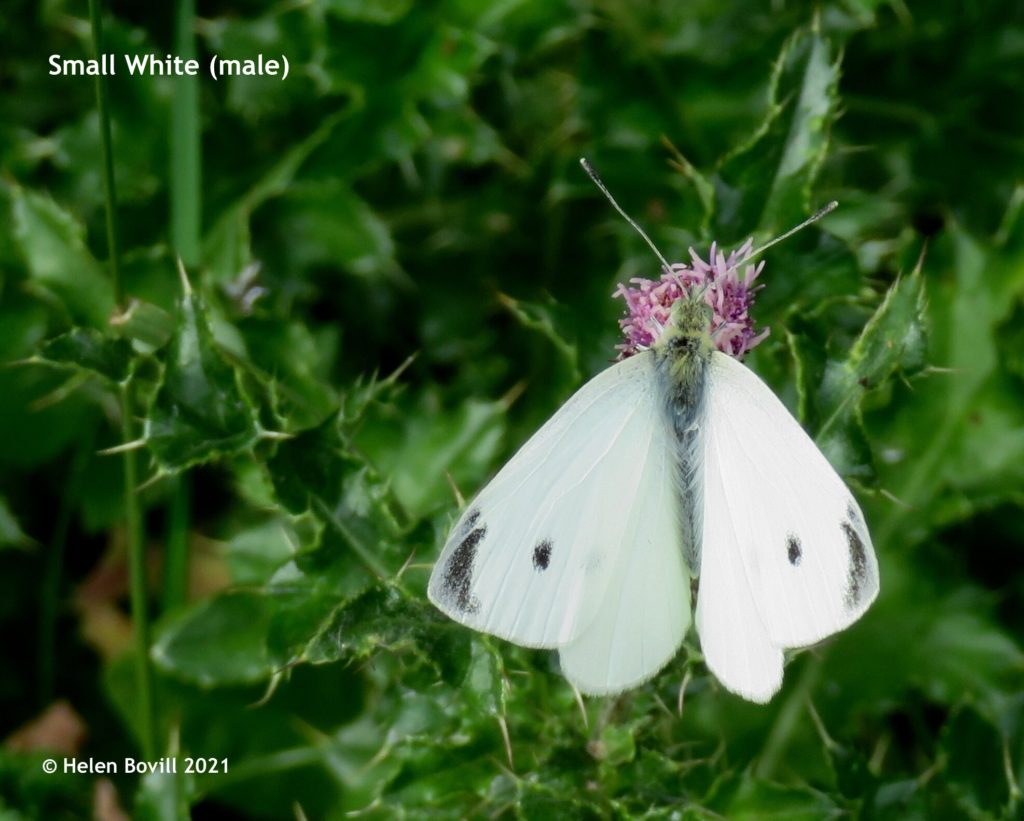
[
  {"x": 859, "y": 576},
  {"x": 456, "y": 579}
]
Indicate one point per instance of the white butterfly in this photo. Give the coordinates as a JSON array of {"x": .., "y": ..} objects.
[{"x": 675, "y": 464}]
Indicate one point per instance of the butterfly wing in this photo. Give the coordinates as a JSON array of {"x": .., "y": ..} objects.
[
  {"x": 536, "y": 555},
  {"x": 786, "y": 557}
]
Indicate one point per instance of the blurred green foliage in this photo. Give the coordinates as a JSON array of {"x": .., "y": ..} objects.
[{"x": 402, "y": 273}]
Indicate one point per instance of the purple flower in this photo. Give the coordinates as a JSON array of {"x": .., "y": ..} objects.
[{"x": 729, "y": 293}]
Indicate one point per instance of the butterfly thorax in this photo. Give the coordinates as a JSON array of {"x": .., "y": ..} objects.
[{"x": 684, "y": 351}]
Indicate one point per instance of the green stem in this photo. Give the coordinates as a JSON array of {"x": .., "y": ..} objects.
[
  {"x": 133, "y": 517},
  {"x": 176, "y": 560},
  {"x": 186, "y": 218},
  {"x": 109, "y": 188},
  {"x": 186, "y": 161},
  {"x": 137, "y": 579},
  {"x": 50, "y": 594}
]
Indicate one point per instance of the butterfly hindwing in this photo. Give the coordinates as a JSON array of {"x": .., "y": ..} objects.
[
  {"x": 645, "y": 610},
  {"x": 532, "y": 556},
  {"x": 786, "y": 556}
]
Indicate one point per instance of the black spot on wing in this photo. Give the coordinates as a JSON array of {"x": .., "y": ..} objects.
[
  {"x": 793, "y": 550},
  {"x": 858, "y": 572},
  {"x": 458, "y": 573},
  {"x": 542, "y": 555}
]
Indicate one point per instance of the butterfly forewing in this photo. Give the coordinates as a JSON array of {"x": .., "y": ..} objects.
[{"x": 531, "y": 557}]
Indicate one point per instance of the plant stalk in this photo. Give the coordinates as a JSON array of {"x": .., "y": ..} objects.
[
  {"x": 186, "y": 160},
  {"x": 186, "y": 231},
  {"x": 133, "y": 517},
  {"x": 53, "y": 570},
  {"x": 109, "y": 188},
  {"x": 137, "y": 579}
]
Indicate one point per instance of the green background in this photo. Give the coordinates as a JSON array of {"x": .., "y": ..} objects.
[{"x": 436, "y": 274}]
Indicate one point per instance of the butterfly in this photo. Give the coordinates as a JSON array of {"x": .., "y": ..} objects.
[{"x": 674, "y": 471}]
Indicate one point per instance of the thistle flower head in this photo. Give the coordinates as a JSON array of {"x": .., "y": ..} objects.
[{"x": 728, "y": 290}]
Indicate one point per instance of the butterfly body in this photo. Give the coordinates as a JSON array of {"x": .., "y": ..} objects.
[
  {"x": 683, "y": 355},
  {"x": 673, "y": 464}
]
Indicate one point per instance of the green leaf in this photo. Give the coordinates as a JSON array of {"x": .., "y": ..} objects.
[
  {"x": 484, "y": 686},
  {"x": 746, "y": 797},
  {"x": 425, "y": 449},
  {"x": 11, "y": 534},
  {"x": 765, "y": 184},
  {"x": 388, "y": 620},
  {"x": 200, "y": 411},
  {"x": 89, "y": 351},
  {"x": 307, "y": 593},
  {"x": 255, "y": 553},
  {"x": 307, "y": 470},
  {"x": 228, "y": 246},
  {"x": 550, "y": 360},
  {"x": 967, "y": 653},
  {"x": 537, "y": 800},
  {"x": 37, "y": 427},
  {"x": 894, "y": 339},
  {"x": 23, "y": 324},
  {"x": 926, "y": 635},
  {"x": 331, "y": 225},
  {"x": 300, "y": 368},
  {"x": 959, "y": 431},
  {"x": 52, "y": 244},
  {"x": 370, "y": 11},
  {"x": 975, "y": 769},
  {"x": 446, "y": 63},
  {"x": 544, "y": 319},
  {"x": 317, "y": 471},
  {"x": 221, "y": 641},
  {"x": 145, "y": 322},
  {"x": 616, "y": 746},
  {"x": 704, "y": 188}
]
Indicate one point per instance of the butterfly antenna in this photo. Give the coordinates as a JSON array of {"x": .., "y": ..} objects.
[
  {"x": 604, "y": 190},
  {"x": 817, "y": 215}
]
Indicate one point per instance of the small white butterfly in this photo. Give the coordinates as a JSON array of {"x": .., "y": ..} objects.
[{"x": 677, "y": 463}]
